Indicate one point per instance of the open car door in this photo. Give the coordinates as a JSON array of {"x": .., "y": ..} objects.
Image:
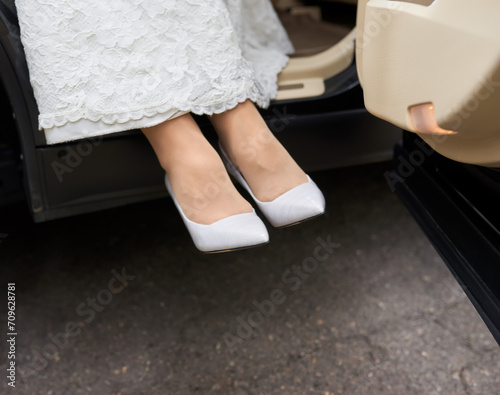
[{"x": 433, "y": 68}]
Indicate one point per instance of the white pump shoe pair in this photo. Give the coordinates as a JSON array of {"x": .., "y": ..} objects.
[{"x": 247, "y": 230}]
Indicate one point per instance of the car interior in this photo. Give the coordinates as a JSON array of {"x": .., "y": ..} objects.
[{"x": 323, "y": 34}]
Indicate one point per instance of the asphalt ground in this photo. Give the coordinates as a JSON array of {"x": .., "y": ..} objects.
[{"x": 354, "y": 302}]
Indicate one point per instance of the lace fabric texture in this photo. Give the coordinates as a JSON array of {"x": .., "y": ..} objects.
[{"x": 100, "y": 67}]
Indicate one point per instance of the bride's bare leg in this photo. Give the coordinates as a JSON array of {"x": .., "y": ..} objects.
[
  {"x": 267, "y": 167},
  {"x": 199, "y": 179}
]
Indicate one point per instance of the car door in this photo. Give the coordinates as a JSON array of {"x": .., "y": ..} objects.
[{"x": 433, "y": 69}]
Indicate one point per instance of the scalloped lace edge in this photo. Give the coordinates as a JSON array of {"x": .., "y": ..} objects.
[{"x": 56, "y": 127}]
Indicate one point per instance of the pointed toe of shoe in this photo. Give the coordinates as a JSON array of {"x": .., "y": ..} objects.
[
  {"x": 231, "y": 233},
  {"x": 299, "y": 204}
]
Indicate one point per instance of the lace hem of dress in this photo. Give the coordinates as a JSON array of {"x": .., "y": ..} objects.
[
  {"x": 114, "y": 120},
  {"x": 52, "y": 121},
  {"x": 84, "y": 128}
]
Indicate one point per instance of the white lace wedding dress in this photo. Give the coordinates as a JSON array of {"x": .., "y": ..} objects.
[{"x": 103, "y": 66}]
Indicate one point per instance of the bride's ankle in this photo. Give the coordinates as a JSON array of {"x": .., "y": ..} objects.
[
  {"x": 266, "y": 165},
  {"x": 206, "y": 194},
  {"x": 249, "y": 148}
]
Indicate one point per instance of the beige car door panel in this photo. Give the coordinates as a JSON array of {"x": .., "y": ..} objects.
[{"x": 434, "y": 68}]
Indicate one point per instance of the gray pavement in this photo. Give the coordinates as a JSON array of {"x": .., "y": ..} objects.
[{"x": 354, "y": 302}]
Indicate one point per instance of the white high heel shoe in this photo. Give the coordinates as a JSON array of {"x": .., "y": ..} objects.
[
  {"x": 299, "y": 204},
  {"x": 230, "y": 233}
]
